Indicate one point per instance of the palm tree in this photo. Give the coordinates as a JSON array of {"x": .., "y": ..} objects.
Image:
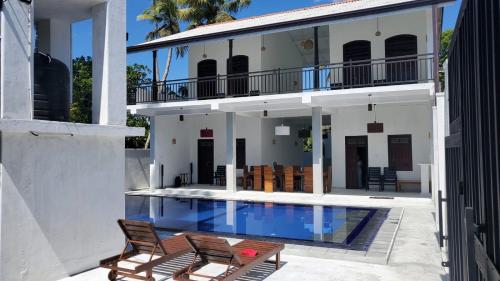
[
  {"x": 202, "y": 12},
  {"x": 164, "y": 16}
]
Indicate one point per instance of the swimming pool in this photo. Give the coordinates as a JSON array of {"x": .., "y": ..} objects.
[{"x": 326, "y": 224}]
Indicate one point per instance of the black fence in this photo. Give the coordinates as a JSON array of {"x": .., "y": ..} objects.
[
  {"x": 345, "y": 75},
  {"x": 473, "y": 147}
]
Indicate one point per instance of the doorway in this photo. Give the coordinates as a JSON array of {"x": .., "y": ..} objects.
[
  {"x": 403, "y": 69},
  {"x": 206, "y": 86},
  {"x": 356, "y": 155},
  {"x": 237, "y": 70},
  {"x": 205, "y": 161},
  {"x": 357, "y": 66}
]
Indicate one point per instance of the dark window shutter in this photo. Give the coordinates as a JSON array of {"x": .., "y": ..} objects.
[
  {"x": 240, "y": 153},
  {"x": 400, "y": 152}
]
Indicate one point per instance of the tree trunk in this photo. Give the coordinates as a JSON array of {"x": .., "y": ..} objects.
[{"x": 167, "y": 66}]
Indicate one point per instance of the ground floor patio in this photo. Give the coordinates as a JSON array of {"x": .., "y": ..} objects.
[{"x": 415, "y": 253}]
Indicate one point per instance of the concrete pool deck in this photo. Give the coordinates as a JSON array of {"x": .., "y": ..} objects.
[{"x": 415, "y": 254}]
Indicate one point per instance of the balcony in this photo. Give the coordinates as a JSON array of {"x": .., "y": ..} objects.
[{"x": 343, "y": 75}]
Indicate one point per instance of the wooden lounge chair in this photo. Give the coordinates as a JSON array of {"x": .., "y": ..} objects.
[
  {"x": 210, "y": 249},
  {"x": 143, "y": 239}
]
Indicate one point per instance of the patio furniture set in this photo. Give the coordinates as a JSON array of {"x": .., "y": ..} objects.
[
  {"x": 142, "y": 240},
  {"x": 283, "y": 178}
]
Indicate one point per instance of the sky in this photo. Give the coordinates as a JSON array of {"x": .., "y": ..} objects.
[{"x": 82, "y": 31}]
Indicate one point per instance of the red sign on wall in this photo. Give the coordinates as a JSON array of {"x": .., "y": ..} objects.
[{"x": 207, "y": 133}]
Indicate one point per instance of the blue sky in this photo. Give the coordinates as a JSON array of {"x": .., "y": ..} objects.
[{"x": 82, "y": 31}]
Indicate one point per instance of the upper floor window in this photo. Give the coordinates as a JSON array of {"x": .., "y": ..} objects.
[{"x": 357, "y": 68}]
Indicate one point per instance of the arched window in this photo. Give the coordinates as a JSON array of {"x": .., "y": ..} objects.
[
  {"x": 237, "y": 70},
  {"x": 403, "y": 67},
  {"x": 207, "y": 72},
  {"x": 357, "y": 64}
]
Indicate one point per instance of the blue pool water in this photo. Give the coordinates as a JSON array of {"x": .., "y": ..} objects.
[{"x": 330, "y": 224}]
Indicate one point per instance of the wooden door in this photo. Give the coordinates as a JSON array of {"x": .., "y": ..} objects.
[
  {"x": 357, "y": 67},
  {"x": 356, "y": 148},
  {"x": 237, "y": 70},
  {"x": 205, "y": 161},
  {"x": 206, "y": 86},
  {"x": 403, "y": 69}
]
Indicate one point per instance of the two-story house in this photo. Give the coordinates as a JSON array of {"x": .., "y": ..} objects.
[{"x": 337, "y": 91}]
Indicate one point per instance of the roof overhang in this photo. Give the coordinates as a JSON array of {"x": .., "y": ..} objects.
[{"x": 176, "y": 40}]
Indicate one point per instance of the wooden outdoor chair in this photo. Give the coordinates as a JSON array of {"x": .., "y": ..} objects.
[
  {"x": 268, "y": 179},
  {"x": 308, "y": 179},
  {"x": 142, "y": 239},
  {"x": 247, "y": 178},
  {"x": 257, "y": 178},
  {"x": 327, "y": 180},
  {"x": 288, "y": 182},
  {"x": 210, "y": 249}
]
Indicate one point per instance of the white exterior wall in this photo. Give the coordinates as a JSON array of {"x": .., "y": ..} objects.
[
  {"x": 287, "y": 150},
  {"x": 177, "y": 157},
  {"x": 398, "y": 119},
  {"x": 414, "y": 23},
  {"x": 219, "y": 51},
  {"x": 136, "y": 169},
  {"x": 61, "y": 197}
]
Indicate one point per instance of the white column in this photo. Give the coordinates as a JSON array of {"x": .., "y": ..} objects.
[
  {"x": 424, "y": 179},
  {"x": 153, "y": 167},
  {"x": 231, "y": 151},
  {"x": 318, "y": 223},
  {"x": 317, "y": 151},
  {"x": 109, "y": 63},
  {"x": 16, "y": 60}
]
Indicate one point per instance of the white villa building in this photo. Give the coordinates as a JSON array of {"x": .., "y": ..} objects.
[
  {"x": 61, "y": 183},
  {"x": 359, "y": 77}
]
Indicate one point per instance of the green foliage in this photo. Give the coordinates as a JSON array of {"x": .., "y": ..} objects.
[
  {"x": 443, "y": 52},
  {"x": 445, "y": 45},
  {"x": 81, "y": 108},
  {"x": 202, "y": 12},
  {"x": 137, "y": 74}
]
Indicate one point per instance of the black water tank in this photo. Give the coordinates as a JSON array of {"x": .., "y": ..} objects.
[{"x": 52, "y": 89}]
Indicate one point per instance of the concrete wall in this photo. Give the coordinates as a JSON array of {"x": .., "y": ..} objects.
[
  {"x": 61, "y": 197},
  {"x": 398, "y": 119},
  {"x": 136, "y": 169}
]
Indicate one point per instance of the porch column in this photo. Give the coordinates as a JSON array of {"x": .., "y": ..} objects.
[
  {"x": 109, "y": 63},
  {"x": 16, "y": 60},
  {"x": 230, "y": 152},
  {"x": 317, "y": 151},
  {"x": 153, "y": 169}
]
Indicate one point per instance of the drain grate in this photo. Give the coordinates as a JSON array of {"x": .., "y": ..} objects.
[{"x": 381, "y": 197}]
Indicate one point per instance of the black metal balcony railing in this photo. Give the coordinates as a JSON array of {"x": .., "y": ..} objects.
[{"x": 345, "y": 75}]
